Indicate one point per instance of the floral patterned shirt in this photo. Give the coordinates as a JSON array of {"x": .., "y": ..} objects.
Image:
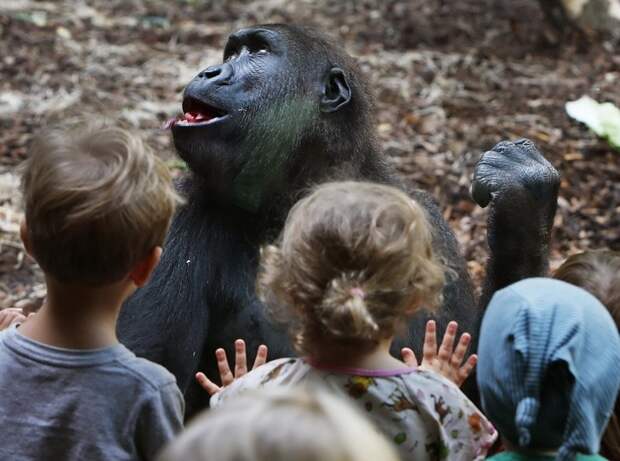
[{"x": 424, "y": 414}]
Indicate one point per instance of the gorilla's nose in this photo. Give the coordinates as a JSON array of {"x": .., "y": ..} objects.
[{"x": 217, "y": 74}]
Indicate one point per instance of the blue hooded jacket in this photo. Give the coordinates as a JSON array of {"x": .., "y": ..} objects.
[{"x": 549, "y": 366}]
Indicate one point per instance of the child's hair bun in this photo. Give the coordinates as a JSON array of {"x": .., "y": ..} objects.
[{"x": 345, "y": 312}]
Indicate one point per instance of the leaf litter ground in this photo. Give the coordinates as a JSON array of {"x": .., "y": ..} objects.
[{"x": 451, "y": 80}]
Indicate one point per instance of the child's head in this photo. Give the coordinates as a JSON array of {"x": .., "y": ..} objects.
[
  {"x": 354, "y": 261},
  {"x": 548, "y": 362},
  {"x": 98, "y": 202},
  {"x": 599, "y": 273},
  {"x": 281, "y": 424}
]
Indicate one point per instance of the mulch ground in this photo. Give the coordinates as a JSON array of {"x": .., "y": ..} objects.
[{"x": 451, "y": 80}]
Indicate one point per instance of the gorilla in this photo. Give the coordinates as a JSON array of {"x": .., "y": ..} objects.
[{"x": 287, "y": 109}]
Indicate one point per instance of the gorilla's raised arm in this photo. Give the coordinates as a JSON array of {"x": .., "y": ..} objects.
[{"x": 521, "y": 187}]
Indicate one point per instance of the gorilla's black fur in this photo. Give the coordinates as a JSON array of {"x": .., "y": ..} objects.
[{"x": 287, "y": 109}]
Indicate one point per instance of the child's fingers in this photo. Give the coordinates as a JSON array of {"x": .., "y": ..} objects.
[
  {"x": 261, "y": 356},
  {"x": 207, "y": 384},
  {"x": 5, "y": 320},
  {"x": 430, "y": 341},
  {"x": 467, "y": 368},
  {"x": 222, "y": 365},
  {"x": 447, "y": 344},
  {"x": 409, "y": 357},
  {"x": 18, "y": 318},
  {"x": 241, "y": 362},
  {"x": 10, "y": 316},
  {"x": 461, "y": 350}
]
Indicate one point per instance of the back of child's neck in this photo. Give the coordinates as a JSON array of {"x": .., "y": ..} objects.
[
  {"x": 76, "y": 317},
  {"x": 378, "y": 358}
]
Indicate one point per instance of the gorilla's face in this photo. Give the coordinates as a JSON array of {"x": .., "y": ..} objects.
[
  {"x": 244, "y": 119},
  {"x": 230, "y": 110}
]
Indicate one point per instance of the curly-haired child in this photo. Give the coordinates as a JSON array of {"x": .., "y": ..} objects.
[{"x": 353, "y": 265}]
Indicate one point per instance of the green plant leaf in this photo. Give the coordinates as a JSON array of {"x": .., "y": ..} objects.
[{"x": 602, "y": 118}]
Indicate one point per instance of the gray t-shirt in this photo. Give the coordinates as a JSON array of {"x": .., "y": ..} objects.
[{"x": 100, "y": 404}]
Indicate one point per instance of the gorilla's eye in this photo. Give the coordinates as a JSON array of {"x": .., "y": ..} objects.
[{"x": 257, "y": 45}]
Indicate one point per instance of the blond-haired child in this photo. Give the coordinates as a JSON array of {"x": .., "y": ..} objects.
[
  {"x": 280, "y": 425},
  {"x": 98, "y": 204}
]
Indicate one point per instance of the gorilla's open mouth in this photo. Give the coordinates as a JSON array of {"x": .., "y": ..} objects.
[{"x": 196, "y": 112}]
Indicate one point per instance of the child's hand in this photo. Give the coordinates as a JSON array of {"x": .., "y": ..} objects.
[
  {"x": 241, "y": 367},
  {"x": 10, "y": 316},
  {"x": 449, "y": 361}
]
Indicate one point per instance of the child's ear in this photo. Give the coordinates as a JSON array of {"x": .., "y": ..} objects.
[
  {"x": 23, "y": 233},
  {"x": 143, "y": 270}
]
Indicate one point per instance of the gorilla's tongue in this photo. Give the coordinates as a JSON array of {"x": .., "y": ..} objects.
[
  {"x": 188, "y": 118},
  {"x": 196, "y": 117}
]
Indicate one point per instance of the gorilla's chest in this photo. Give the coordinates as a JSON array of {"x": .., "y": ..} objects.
[
  {"x": 218, "y": 250},
  {"x": 225, "y": 251}
]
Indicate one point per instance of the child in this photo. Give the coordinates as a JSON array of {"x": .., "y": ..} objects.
[
  {"x": 548, "y": 364},
  {"x": 596, "y": 271},
  {"x": 281, "y": 425},
  {"x": 354, "y": 263},
  {"x": 599, "y": 273},
  {"x": 98, "y": 205}
]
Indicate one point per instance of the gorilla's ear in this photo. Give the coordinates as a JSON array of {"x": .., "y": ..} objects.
[{"x": 336, "y": 91}]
